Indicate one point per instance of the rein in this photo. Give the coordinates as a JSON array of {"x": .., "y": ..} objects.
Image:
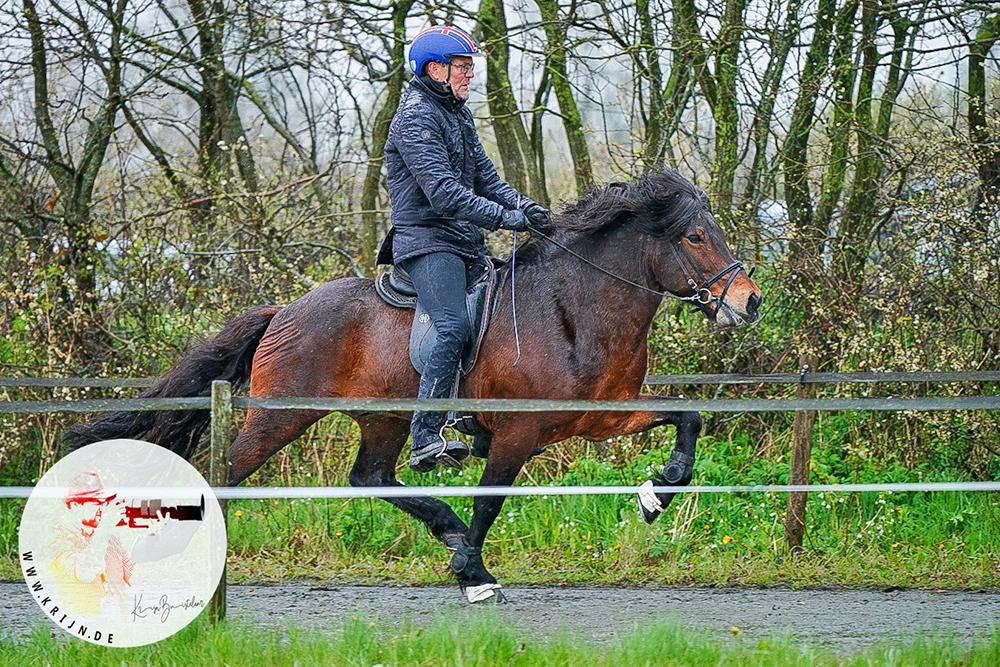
[{"x": 702, "y": 295}]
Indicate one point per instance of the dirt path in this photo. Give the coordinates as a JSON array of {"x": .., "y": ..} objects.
[{"x": 845, "y": 620}]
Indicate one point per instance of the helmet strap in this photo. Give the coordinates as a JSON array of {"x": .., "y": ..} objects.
[{"x": 437, "y": 87}]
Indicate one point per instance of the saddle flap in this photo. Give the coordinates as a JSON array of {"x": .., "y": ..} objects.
[{"x": 423, "y": 333}]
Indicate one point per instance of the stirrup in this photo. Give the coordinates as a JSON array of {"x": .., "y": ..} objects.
[{"x": 449, "y": 452}]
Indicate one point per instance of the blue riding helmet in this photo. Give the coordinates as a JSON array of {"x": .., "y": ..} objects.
[{"x": 440, "y": 43}]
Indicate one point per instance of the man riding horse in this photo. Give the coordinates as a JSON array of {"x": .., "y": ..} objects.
[
  {"x": 444, "y": 191},
  {"x": 592, "y": 283}
]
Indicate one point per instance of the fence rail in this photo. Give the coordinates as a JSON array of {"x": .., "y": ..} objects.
[
  {"x": 651, "y": 380},
  {"x": 362, "y": 405}
]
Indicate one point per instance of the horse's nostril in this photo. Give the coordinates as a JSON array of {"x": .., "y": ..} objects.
[{"x": 753, "y": 305}]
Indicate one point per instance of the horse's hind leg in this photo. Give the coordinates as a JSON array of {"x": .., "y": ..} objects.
[
  {"x": 382, "y": 438},
  {"x": 265, "y": 433}
]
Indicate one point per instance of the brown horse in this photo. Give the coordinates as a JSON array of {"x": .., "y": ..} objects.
[{"x": 586, "y": 296}]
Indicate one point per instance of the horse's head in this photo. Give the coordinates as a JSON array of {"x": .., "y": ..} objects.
[
  {"x": 679, "y": 245},
  {"x": 691, "y": 256}
]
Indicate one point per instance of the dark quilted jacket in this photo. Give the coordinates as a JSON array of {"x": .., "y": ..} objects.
[{"x": 442, "y": 186}]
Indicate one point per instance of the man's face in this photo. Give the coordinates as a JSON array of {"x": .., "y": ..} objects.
[
  {"x": 461, "y": 73},
  {"x": 89, "y": 515}
]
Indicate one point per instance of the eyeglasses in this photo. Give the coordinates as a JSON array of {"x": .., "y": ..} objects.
[{"x": 463, "y": 68}]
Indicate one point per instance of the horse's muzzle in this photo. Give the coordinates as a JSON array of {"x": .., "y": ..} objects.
[{"x": 729, "y": 313}]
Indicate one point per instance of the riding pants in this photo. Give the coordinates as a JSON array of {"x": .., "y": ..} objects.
[{"x": 441, "y": 280}]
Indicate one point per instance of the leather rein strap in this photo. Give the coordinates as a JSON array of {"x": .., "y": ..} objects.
[{"x": 702, "y": 295}]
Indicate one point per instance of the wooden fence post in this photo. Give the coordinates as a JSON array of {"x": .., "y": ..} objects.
[
  {"x": 218, "y": 475},
  {"x": 802, "y": 442}
]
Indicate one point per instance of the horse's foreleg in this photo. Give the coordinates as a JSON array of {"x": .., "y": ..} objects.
[
  {"x": 679, "y": 468},
  {"x": 505, "y": 460},
  {"x": 382, "y": 438}
]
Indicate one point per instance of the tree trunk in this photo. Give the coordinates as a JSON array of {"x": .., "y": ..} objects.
[
  {"x": 839, "y": 134},
  {"x": 858, "y": 227},
  {"x": 537, "y": 139},
  {"x": 213, "y": 157},
  {"x": 725, "y": 110},
  {"x": 556, "y": 56},
  {"x": 76, "y": 182},
  {"x": 796, "y": 146},
  {"x": 985, "y": 146},
  {"x": 656, "y": 118},
  {"x": 986, "y": 153},
  {"x": 519, "y": 166},
  {"x": 370, "y": 219},
  {"x": 761, "y": 166}
]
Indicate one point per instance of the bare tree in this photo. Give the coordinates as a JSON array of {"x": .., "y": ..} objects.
[
  {"x": 520, "y": 166},
  {"x": 557, "y": 58},
  {"x": 984, "y": 139},
  {"x": 860, "y": 220},
  {"x": 715, "y": 67},
  {"x": 985, "y": 143},
  {"x": 94, "y": 39}
]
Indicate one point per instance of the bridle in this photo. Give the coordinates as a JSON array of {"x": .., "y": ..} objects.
[
  {"x": 702, "y": 294},
  {"x": 700, "y": 291}
]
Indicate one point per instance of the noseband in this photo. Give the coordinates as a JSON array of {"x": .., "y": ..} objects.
[{"x": 702, "y": 293}]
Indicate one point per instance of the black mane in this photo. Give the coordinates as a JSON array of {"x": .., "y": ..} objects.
[{"x": 659, "y": 203}]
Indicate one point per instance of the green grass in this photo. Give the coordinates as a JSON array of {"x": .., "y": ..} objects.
[
  {"x": 949, "y": 540},
  {"x": 933, "y": 540},
  {"x": 481, "y": 641}
]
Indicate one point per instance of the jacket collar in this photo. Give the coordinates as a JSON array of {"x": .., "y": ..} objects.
[{"x": 437, "y": 93}]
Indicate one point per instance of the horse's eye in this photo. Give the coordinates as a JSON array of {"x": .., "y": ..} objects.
[{"x": 694, "y": 238}]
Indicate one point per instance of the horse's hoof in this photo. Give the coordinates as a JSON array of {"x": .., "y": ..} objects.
[
  {"x": 484, "y": 592},
  {"x": 650, "y": 506}
]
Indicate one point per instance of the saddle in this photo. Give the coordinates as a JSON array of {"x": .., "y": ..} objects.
[{"x": 396, "y": 289}]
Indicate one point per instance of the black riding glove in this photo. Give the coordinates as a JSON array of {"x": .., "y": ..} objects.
[
  {"x": 538, "y": 215},
  {"x": 514, "y": 220}
]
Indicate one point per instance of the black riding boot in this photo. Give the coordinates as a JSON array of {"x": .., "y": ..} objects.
[{"x": 429, "y": 445}]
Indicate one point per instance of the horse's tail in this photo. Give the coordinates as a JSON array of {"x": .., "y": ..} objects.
[{"x": 228, "y": 356}]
